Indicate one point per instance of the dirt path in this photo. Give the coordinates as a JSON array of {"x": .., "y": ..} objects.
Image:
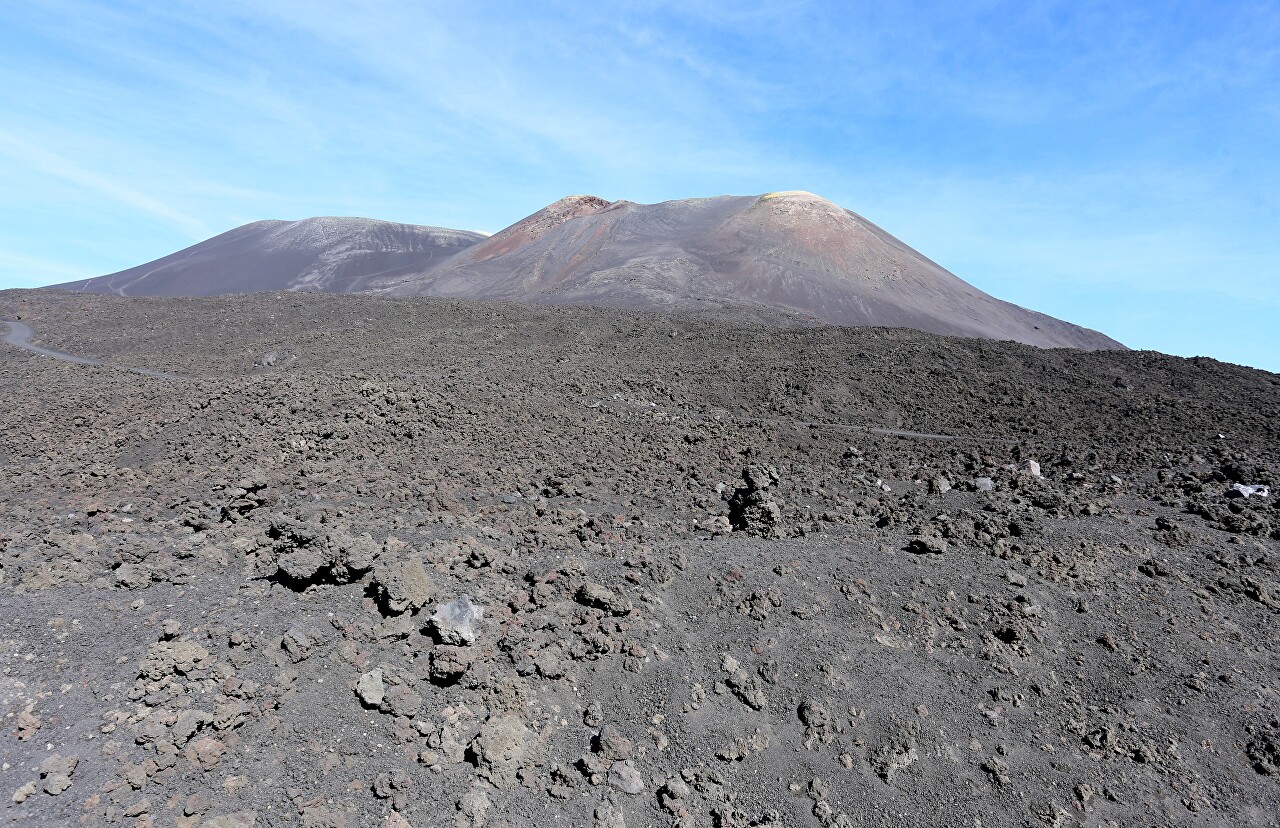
[{"x": 20, "y": 335}]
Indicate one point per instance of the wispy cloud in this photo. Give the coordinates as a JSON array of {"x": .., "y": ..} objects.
[
  {"x": 67, "y": 170},
  {"x": 33, "y": 271}
]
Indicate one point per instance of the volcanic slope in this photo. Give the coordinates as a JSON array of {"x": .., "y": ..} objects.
[
  {"x": 332, "y": 254},
  {"x": 788, "y": 256}
]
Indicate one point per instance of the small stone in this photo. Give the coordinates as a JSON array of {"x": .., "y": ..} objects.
[
  {"x": 196, "y": 803},
  {"x": 601, "y": 597},
  {"x": 608, "y": 816},
  {"x": 717, "y": 525},
  {"x": 65, "y": 765},
  {"x": 499, "y": 749},
  {"x": 322, "y": 816},
  {"x": 132, "y": 576},
  {"x": 448, "y": 664},
  {"x": 239, "y": 819},
  {"x": 403, "y": 585},
  {"x": 28, "y": 723},
  {"x": 206, "y": 752},
  {"x": 473, "y": 808},
  {"x": 927, "y": 545},
  {"x": 138, "y": 808},
  {"x": 56, "y": 783},
  {"x": 391, "y": 781},
  {"x": 297, "y": 644},
  {"x": 188, "y": 724},
  {"x": 401, "y": 700},
  {"x": 370, "y": 689},
  {"x": 612, "y": 745},
  {"x": 625, "y": 777}
]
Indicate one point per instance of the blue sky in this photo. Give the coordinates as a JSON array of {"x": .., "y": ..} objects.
[{"x": 1114, "y": 164}]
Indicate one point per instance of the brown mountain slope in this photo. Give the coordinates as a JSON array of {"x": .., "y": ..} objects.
[{"x": 791, "y": 253}]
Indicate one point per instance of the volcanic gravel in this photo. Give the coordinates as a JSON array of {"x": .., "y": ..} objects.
[{"x": 438, "y": 563}]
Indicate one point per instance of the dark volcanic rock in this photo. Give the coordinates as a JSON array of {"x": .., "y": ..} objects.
[{"x": 237, "y": 599}]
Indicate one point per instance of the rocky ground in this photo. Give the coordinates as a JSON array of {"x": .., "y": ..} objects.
[{"x": 432, "y": 563}]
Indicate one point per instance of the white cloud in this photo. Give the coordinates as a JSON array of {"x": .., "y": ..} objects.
[{"x": 69, "y": 171}]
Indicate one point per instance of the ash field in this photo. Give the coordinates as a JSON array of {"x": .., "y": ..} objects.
[{"x": 346, "y": 560}]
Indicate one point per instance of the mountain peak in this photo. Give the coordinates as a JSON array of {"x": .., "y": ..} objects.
[
  {"x": 796, "y": 195},
  {"x": 328, "y": 253},
  {"x": 790, "y": 254}
]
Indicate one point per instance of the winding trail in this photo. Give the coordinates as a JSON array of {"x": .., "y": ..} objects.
[{"x": 20, "y": 335}]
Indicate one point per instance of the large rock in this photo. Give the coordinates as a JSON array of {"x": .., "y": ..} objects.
[
  {"x": 501, "y": 748},
  {"x": 370, "y": 688},
  {"x": 166, "y": 658},
  {"x": 752, "y": 508},
  {"x": 403, "y": 585},
  {"x": 303, "y": 554}
]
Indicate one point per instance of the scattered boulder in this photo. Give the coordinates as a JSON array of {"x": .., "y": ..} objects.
[
  {"x": 166, "y": 658},
  {"x": 501, "y": 748},
  {"x": 601, "y": 597},
  {"x": 472, "y": 809},
  {"x": 370, "y": 689},
  {"x": 458, "y": 622},
  {"x": 55, "y": 773},
  {"x": 448, "y": 664},
  {"x": 403, "y": 585},
  {"x": 624, "y": 776},
  {"x": 1264, "y": 751},
  {"x": 927, "y": 545},
  {"x": 612, "y": 745},
  {"x": 894, "y": 755},
  {"x": 238, "y": 819},
  {"x": 608, "y": 816},
  {"x": 752, "y": 508},
  {"x": 206, "y": 752},
  {"x": 300, "y": 555}
]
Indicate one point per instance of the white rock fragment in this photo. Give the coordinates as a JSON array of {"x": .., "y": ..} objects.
[{"x": 458, "y": 622}]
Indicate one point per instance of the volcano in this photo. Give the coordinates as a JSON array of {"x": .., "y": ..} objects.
[
  {"x": 331, "y": 254},
  {"x": 782, "y": 258}
]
